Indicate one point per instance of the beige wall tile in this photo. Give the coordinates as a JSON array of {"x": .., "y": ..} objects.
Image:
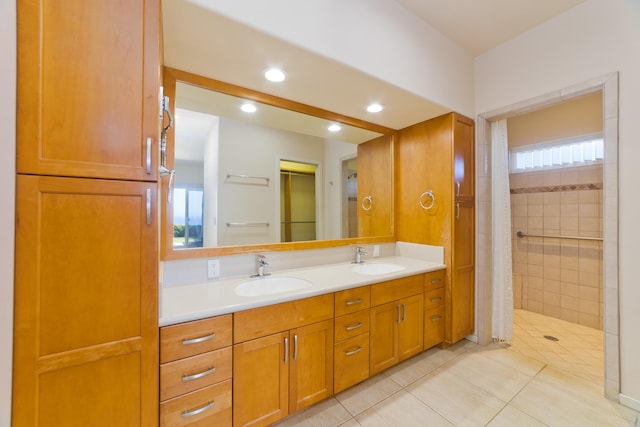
[
  {"x": 589, "y": 210},
  {"x": 569, "y": 224},
  {"x": 535, "y": 210},
  {"x": 570, "y": 210},
  {"x": 569, "y": 276},
  {"x": 569, "y": 315},
  {"x": 570, "y": 289},
  {"x": 552, "y": 298},
  {"x": 552, "y": 310},
  {"x": 589, "y": 320},
  {"x": 551, "y": 273},
  {"x": 552, "y": 210},
  {"x": 590, "y": 307},
  {"x": 569, "y": 198},
  {"x": 551, "y": 198},
  {"x": 589, "y": 279},
  {"x": 552, "y": 286},
  {"x": 570, "y": 303},
  {"x": 591, "y": 294}
]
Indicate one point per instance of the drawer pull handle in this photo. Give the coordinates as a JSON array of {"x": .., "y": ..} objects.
[
  {"x": 355, "y": 301},
  {"x": 434, "y": 281},
  {"x": 352, "y": 352},
  {"x": 198, "y": 375},
  {"x": 436, "y": 299},
  {"x": 354, "y": 326},
  {"x": 187, "y": 414},
  {"x": 436, "y": 318},
  {"x": 199, "y": 340}
]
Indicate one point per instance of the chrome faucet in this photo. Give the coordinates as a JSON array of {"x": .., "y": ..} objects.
[
  {"x": 359, "y": 253},
  {"x": 261, "y": 263}
]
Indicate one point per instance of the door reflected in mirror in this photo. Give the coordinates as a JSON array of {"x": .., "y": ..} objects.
[{"x": 265, "y": 175}]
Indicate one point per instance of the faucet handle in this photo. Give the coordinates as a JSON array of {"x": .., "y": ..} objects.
[{"x": 261, "y": 260}]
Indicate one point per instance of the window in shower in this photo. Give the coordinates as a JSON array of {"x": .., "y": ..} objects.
[{"x": 579, "y": 151}]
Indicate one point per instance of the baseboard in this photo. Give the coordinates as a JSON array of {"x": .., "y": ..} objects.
[{"x": 630, "y": 402}]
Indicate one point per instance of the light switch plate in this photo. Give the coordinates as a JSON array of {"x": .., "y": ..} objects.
[
  {"x": 213, "y": 268},
  {"x": 376, "y": 250}
]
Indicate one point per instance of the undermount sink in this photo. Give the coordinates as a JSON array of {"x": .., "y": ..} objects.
[
  {"x": 376, "y": 268},
  {"x": 268, "y": 285}
]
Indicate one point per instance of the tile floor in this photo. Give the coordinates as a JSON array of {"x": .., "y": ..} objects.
[{"x": 534, "y": 382}]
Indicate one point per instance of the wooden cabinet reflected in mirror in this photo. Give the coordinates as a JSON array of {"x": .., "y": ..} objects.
[{"x": 272, "y": 179}]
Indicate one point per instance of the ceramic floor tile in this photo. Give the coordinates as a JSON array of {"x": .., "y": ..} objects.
[
  {"x": 401, "y": 409},
  {"x": 510, "y": 417},
  {"x": 350, "y": 423},
  {"x": 457, "y": 400},
  {"x": 368, "y": 393},
  {"x": 328, "y": 413},
  {"x": 500, "y": 380},
  {"x": 415, "y": 368},
  {"x": 560, "y": 399}
]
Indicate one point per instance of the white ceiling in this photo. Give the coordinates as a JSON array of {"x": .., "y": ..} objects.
[
  {"x": 480, "y": 25},
  {"x": 203, "y": 42}
]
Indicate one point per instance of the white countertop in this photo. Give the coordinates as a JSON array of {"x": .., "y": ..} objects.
[{"x": 215, "y": 297}]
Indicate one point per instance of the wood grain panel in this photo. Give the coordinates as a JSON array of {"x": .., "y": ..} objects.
[
  {"x": 216, "y": 333},
  {"x": 433, "y": 327},
  {"x": 311, "y": 369},
  {"x": 395, "y": 289},
  {"x": 88, "y": 87},
  {"x": 410, "y": 329},
  {"x": 383, "y": 338},
  {"x": 263, "y": 321},
  {"x": 434, "y": 280},
  {"x": 352, "y": 300},
  {"x": 172, "y": 375},
  {"x": 260, "y": 362},
  {"x": 352, "y": 324},
  {"x": 434, "y": 298},
  {"x": 219, "y": 414},
  {"x": 351, "y": 362},
  {"x": 375, "y": 179}
]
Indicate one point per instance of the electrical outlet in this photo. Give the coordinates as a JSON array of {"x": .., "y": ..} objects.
[
  {"x": 213, "y": 268},
  {"x": 376, "y": 250}
]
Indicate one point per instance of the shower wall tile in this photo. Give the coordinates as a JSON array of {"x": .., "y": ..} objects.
[{"x": 559, "y": 278}]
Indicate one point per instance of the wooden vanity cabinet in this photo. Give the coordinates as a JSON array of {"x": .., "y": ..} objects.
[
  {"x": 434, "y": 293},
  {"x": 396, "y": 321},
  {"x": 351, "y": 349},
  {"x": 195, "y": 372},
  {"x": 282, "y": 359},
  {"x": 435, "y": 167},
  {"x": 375, "y": 187}
]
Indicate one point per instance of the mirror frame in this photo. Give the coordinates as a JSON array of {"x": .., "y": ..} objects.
[{"x": 170, "y": 77}]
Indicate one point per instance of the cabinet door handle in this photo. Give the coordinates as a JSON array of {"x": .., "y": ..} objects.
[
  {"x": 399, "y": 314},
  {"x": 434, "y": 281},
  {"x": 404, "y": 312},
  {"x": 436, "y": 299},
  {"x": 199, "y": 340},
  {"x": 354, "y": 302},
  {"x": 457, "y": 188},
  {"x": 354, "y": 326},
  {"x": 352, "y": 352},
  {"x": 187, "y": 414},
  {"x": 148, "y": 161},
  {"x": 148, "y": 206},
  {"x": 436, "y": 318},
  {"x": 286, "y": 350},
  {"x": 295, "y": 347},
  {"x": 198, "y": 375},
  {"x": 458, "y": 210}
]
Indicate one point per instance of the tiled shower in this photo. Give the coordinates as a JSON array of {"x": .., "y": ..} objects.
[{"x": 561, "y": 278}]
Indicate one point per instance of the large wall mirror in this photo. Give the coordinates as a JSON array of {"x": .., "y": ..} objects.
[{"x": 276, "y": 177}]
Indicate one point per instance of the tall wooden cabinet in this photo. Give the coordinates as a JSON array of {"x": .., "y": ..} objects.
[
  {"x": 86, "y": 320},
  {"x": 436, "y": 206}
]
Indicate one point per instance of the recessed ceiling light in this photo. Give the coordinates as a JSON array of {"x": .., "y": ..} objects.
[
  {"x": 248, "y": 108},
  {"x": 334, "y": 128},
  {"x": 374, "y": 108},
  {"x": 274, "y": 75}
]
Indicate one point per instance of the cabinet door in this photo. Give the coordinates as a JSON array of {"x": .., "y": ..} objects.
[
  {"x": 383, "y": 350},
  {"x": 410, "y": 336},
  {"x": 375, "y": 179},
  {"x": 261, "y": 380},
  {"x": 462, "y": 286},
  {"x": 464, "y": 159},
  {"x": 88, "y": 88},
  {"x": 311, "y": 370},
  {"x": 86, "y": 315}
]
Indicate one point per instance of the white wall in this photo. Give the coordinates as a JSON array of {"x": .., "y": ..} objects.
[
  {"x": 593, "y": 39},
  {"x": 379, "y": 37},
  {"x": 7, "y": 178},
  {"x": 334, "y": 153}
]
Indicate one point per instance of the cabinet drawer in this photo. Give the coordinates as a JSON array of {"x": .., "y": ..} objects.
[
  {"x": 208, "y": 406},
  {"x": 259, "y": 322},
  {"x": 192, "y": 373},
  {"x": 434, "y": 299},
  {"x": 352, "y": 300},
  {"x": 200, "y": 336},
  {"x": 351, "y": 362},
  {"x": 393, "y": 290},
  {"x": 350, "y": 325},
  {"x": 433, "y": 327},
  {"x": 434, "y": 280}
]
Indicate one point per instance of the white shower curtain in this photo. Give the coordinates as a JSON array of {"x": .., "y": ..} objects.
[{"x": 502, "y": 308}]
